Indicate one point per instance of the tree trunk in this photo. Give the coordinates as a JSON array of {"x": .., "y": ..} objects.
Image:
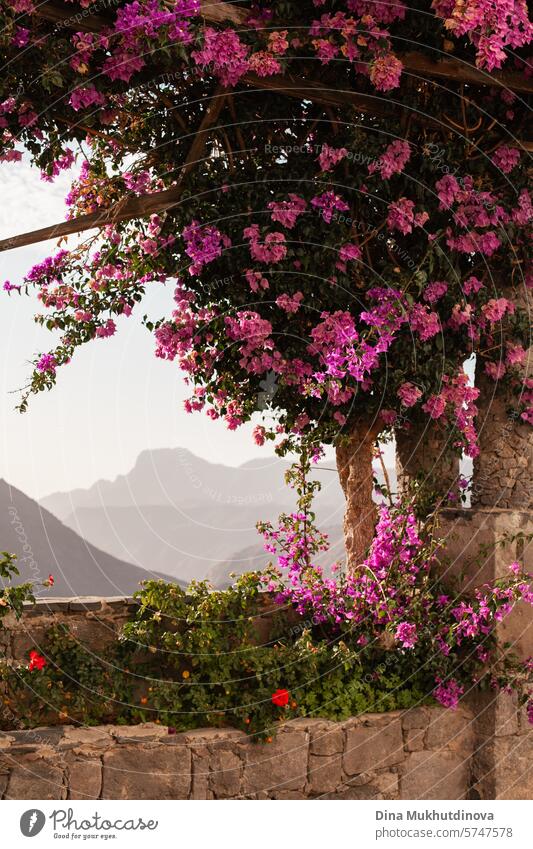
[
  {"x": 422, "y": 454},
  {"x": 354, "y": 464}
]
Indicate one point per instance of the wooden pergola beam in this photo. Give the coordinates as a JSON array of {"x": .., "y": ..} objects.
[
  {"x": 135, "y": 207},
  {"x": 55, "y": 11},
  {"x": 217, "y": 11},
  {"x": 132, "y": 207},
  {"x": 304, "y": 89},
  {"x": 461, "y": 72}
]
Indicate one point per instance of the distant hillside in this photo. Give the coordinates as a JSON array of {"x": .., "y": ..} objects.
[
  {"x": 45, "y": 545},
  {"x": 176, "y": 477},
  {"x": 190, "y": 517},
  {"x": 254, "y": 558}
]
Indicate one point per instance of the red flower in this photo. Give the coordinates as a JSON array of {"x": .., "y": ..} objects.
[
  {"x": 50, "y": 581},
  {"x": 280, "y": 698},
  {"x": 37, "y": 661}
]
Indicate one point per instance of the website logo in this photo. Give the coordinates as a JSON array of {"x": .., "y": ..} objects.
[{"x": 32, "y": 822}]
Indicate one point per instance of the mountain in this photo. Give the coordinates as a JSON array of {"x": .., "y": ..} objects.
[
  {"x": 254, "y": 557},
  {"x": 45, "y": 545},
  {"x": 175, "y": 476},
  {"x": 189, "y": 517}
]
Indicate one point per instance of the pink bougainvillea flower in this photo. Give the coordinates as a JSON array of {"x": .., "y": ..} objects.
[
  {"x": 349, "y": 251},
  {"x": 331, "y": 156},
  {"x": 434, "y": 291},
  {"x": 393, "y": 160},
  {"x": 259, "y": 433},
  {"x": 409, "y": 394},
  {"x": 385, "y": 72},
  {"x": 406, "y": 634},
  {"x": 448, "y": 693},
  {"x": 506, "y": 158},
  {"x": 47, "y": 363}
]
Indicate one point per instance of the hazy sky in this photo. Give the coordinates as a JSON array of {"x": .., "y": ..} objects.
[{"x": 114, "y": 400}]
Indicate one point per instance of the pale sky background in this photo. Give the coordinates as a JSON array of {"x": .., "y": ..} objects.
[{"x": 114, "y": 400}]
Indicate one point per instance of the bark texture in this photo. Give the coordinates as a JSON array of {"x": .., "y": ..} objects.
[{"x": 354, "y": 464}]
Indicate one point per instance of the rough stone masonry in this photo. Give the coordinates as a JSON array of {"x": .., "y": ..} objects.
[{"x": 422, "y": 753}]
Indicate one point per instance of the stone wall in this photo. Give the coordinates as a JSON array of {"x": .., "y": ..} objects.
[
  {"x": 424, "y": 753},
  {"x": 95, "y": 622},
  {"x": 423, "y": 453},
  {"x": 477, "y": 552},
  {"x": 503, "y": 471}
]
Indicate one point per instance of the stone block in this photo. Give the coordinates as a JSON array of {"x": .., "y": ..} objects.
[
  {"x": 435, "y": 775},
  {"x": 513, "y": 767},
  {"x": 369, "y": 748},
  {"x": 226, "y": 774},
  {"x": 75, "y": 736},
  {"x": 84, "y": 778},
  {"x": 96, "y": 635},
  {"x": 326, "y": 739},
  {"x": 135, "y": 772},
  {"x": 483, "y": 774},
  {"x": 450, "y": 729},
  {"x": 36, "y": 737},
  {"x": 210, "y": 737},
  {"x": 325, "y": 773},
  {"x": 496, "y": 714},
  {"x": 524, "y": 725},
  {"x": 200, "y": 768},
  {"x": 505, "y": 714},
  {"x": 359, "y": 780},
  {"x": 290, "y": 794},
  {"x": 414, "y": 740},
  {"x": 366, "y": 791},
  {"x": 4, "y": 780},
  {"x": 415, "y": 718},
  {"x": 24, "y": 642},
  {"x": 6, "y": 740},
  {"x": 52, "y": 605},
  {"x": 85, "y": 603},
  {"x": 281, "y": 765},
  {"x": 36, "y": 778},
  {"x": 144, "y": 733},
  {"x": 387, "y": 784}
]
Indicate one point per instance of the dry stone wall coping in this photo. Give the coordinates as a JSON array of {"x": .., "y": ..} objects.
[{"x": 366, "y": 757}]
